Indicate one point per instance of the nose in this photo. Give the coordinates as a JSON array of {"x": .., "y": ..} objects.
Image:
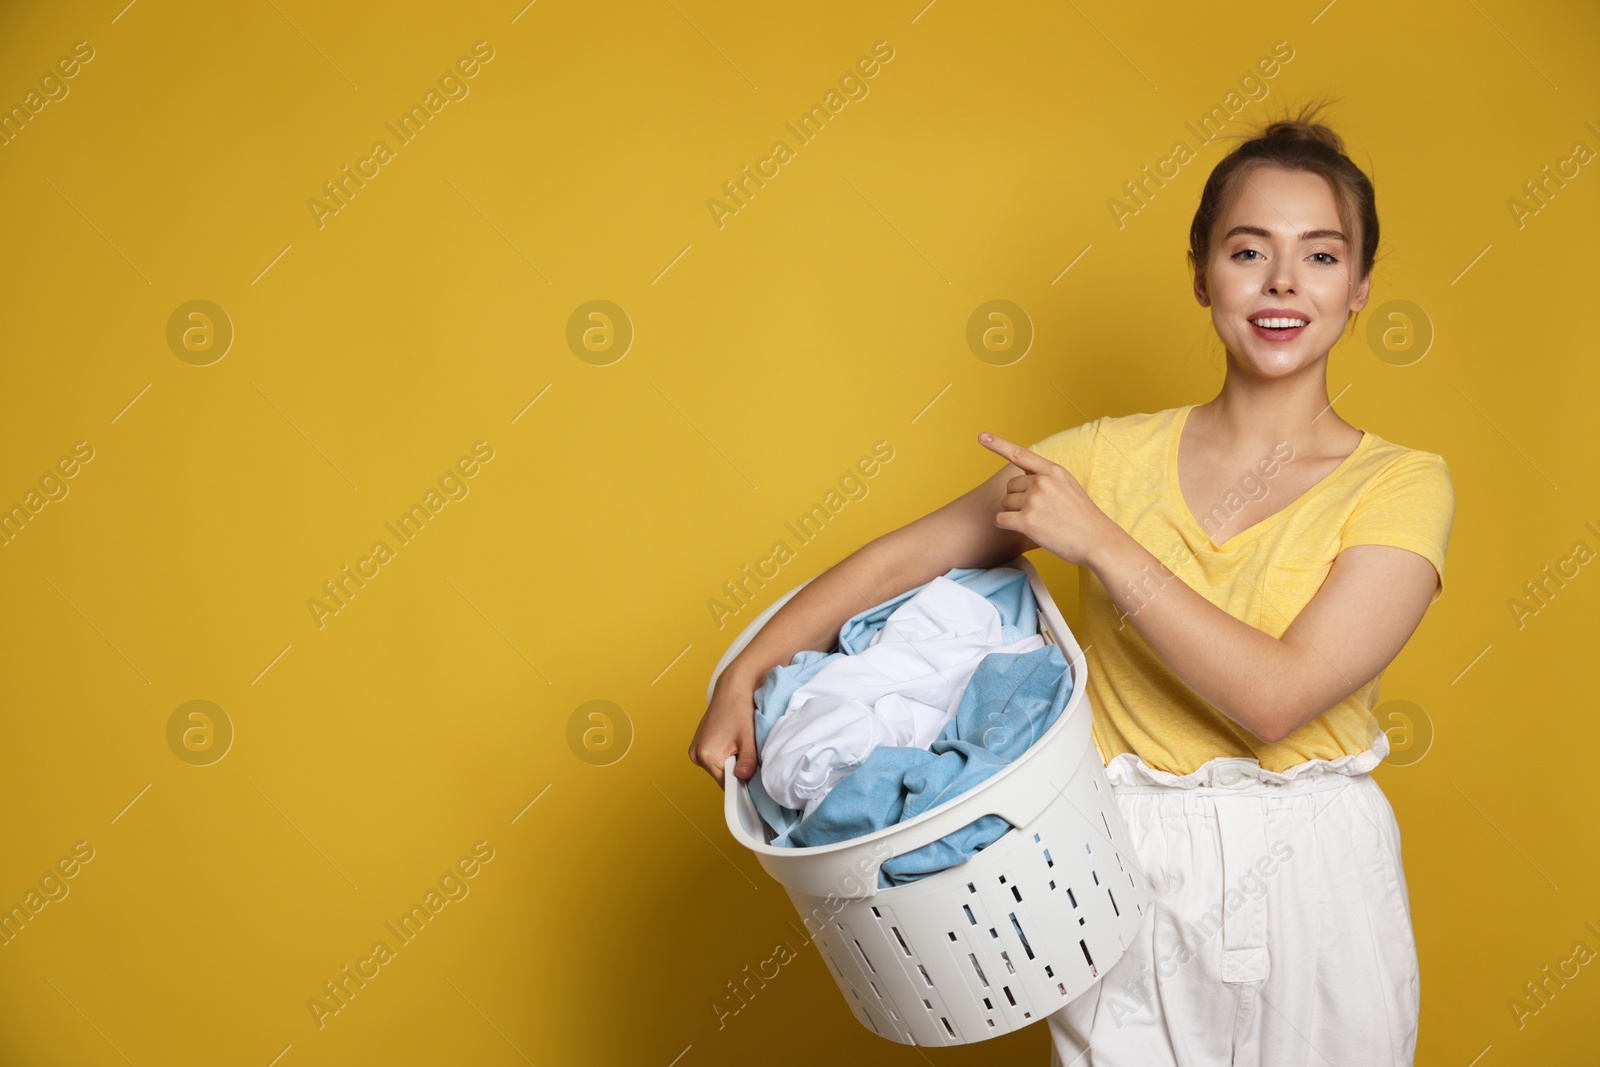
[{"x": 1281, "y": 279}]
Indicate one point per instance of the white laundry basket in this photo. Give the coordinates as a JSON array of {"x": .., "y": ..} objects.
[{"x": 991, "y": 945}]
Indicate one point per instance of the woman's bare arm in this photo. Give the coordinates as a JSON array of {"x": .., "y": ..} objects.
[
  {"x": 962, "y": 533},
  {"x": 1368, "y": 607}
]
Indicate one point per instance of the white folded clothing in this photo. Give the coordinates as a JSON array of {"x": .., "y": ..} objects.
[{"x": 901, "y": 690}]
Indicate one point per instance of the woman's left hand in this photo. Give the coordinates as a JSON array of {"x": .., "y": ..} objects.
[{"x": 1048, "y": 506}]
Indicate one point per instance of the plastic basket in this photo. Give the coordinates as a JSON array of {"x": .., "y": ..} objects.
[{"x": 991, "y": 945}]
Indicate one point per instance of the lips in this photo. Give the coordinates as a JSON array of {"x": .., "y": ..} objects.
[{"x": 1278, "y": 324}]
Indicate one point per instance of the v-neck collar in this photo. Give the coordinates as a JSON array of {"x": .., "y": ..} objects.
[{"x": 1175, "y": 489}]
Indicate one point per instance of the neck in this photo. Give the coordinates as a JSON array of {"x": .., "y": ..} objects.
[{"x": 1254, "y": 415}]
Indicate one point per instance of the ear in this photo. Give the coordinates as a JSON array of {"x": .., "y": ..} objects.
[
  {"x": 1359, "y": 301},
  {"x": 1200, "y": 293}
]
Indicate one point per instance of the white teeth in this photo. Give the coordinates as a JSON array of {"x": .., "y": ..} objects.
[{"x": 1278, "y": 324}]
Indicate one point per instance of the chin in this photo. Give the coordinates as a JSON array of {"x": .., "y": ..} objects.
[
  {"x": 1267, "y": 359},
  {"x": 1272, "y": 365}
]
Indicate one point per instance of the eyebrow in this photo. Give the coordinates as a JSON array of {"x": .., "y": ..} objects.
[{"x": 1309, "y": 235}]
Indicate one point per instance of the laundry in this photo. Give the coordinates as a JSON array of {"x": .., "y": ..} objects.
[
  {"x": 910, "y": 739},
  {"x": 1009, "y": 703},
  {"x": 900, "y": 690}
]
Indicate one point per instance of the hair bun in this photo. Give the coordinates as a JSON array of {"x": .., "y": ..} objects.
[
  {"x": 1293, "y": 131},
  {"x": 1297, "y": 142}
]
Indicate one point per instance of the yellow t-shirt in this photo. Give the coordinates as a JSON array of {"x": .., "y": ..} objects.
[{"x": 1381, "y": 494}]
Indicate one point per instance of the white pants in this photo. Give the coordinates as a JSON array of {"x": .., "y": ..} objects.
[{"x": 1280, "y": 928}]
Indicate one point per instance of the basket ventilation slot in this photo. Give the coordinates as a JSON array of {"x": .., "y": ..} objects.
[
  {"x": 1024, "y": 937},
  {"x": 979, "y": 968}
]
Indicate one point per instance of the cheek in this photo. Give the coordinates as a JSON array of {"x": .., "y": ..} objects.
[
  {"x": 1235, "y": 299},
  {"x": 1229, "y": 309}
]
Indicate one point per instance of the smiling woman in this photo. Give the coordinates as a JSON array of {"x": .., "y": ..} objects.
[{"x": 1234, "y": 659}]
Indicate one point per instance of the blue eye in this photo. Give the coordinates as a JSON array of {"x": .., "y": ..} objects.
[{"x": 1330, "y": 261}]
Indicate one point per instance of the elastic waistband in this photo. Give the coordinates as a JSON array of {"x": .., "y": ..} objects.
[
  {"x": 1236, "y": 775},
  {"x": 1249, "y": 786}
]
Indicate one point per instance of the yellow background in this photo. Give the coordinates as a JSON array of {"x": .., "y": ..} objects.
[{"x": 372, "y": 752}]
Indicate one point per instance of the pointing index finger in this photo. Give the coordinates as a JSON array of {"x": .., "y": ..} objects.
[{"x": 1028, "y": 460}]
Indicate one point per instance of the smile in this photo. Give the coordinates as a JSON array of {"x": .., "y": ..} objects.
[{"x": 1277, "y": 329}]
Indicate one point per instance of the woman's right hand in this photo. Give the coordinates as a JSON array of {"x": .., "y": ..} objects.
[
  {"x": 1047, "y": 505},
  {"x": 728, "y": 727}
]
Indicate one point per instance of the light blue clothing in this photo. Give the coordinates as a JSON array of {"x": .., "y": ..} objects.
[
  {"x": 1011, "y": 700},
  {"x": 1005, "y": 587}
]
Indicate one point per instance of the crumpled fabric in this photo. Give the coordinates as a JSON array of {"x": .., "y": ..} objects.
[
  {"x": 1005, "y": 587},
  {"x": 1011, "y": 700},
  {"x": 900, "y": 690}
]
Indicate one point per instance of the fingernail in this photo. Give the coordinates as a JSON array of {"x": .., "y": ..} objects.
[{"x": 986, "y": 437}]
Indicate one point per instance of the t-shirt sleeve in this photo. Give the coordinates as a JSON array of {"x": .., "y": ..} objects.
[
  {"x": 1073, "y": 449},
  {"x": 1412, "y": 505}
]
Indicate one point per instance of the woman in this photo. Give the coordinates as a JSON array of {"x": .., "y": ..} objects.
[{"x": 1251, "y": 565}]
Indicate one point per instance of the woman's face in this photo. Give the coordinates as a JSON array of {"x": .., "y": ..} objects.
[{"x": 1279, "y": 246}]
